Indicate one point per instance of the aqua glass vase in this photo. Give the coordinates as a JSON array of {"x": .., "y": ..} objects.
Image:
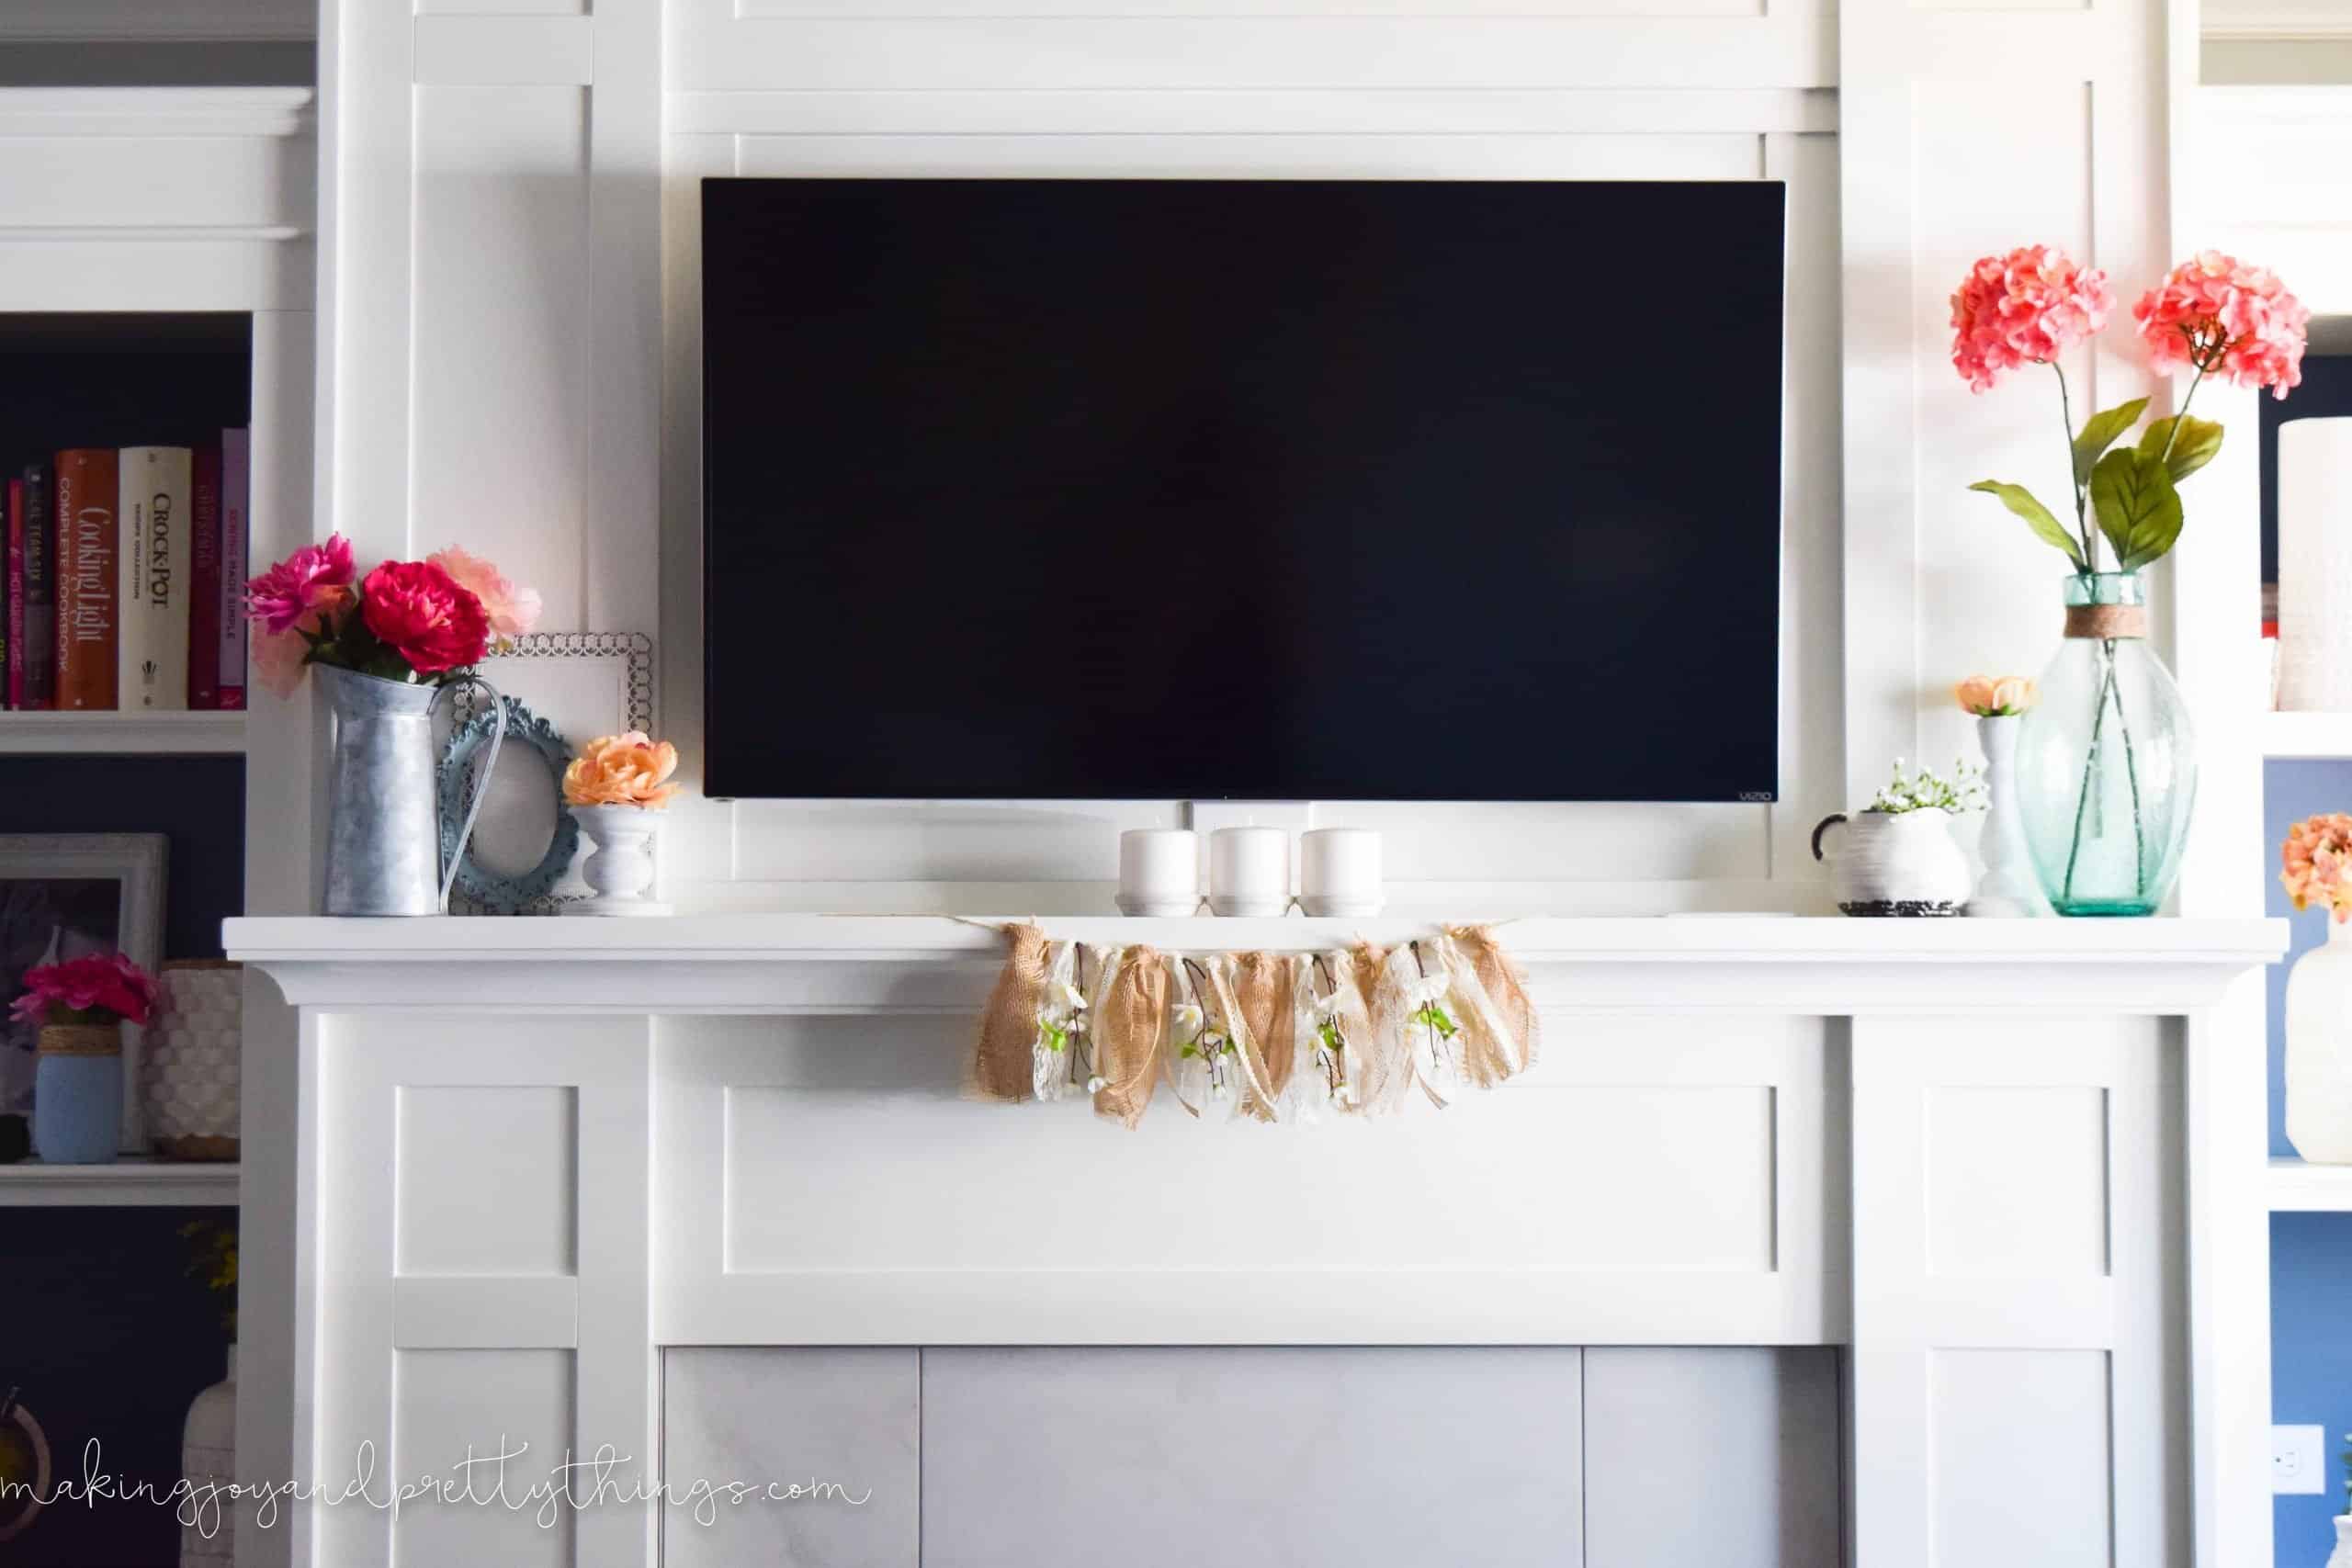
[{"x": 2106, "y": 763}]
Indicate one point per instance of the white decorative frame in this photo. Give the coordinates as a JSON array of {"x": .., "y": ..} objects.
[{"x": 136, "y": 862}]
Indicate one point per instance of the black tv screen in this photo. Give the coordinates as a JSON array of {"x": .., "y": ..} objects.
[{"x": 1251, "y": 490}]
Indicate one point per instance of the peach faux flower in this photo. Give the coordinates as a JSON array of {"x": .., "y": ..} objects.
[
  {"x": 1992, "y": 696},
  {"x": 2028, "y": 306},
  {"x": 512, "y": 611},
  {"x": 2313, "y": 862},
  {"x": 622, "y": 770},
  {"x": 2217, "y": 315}
]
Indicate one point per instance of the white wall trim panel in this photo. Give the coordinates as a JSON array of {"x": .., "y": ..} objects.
[
  {"x": 2276, "y": 19},
  {"x": 504, "y": 52}
]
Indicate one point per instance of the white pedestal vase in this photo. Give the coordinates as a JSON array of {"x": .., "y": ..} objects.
[
  {"x": 2342, "y": 1556},
  {"x": 208, "y": 1452},
  {"x": 2009, "y": 889},
  {"x": 2319, "y": 1050},
  {"x": 620, "y": 865}
]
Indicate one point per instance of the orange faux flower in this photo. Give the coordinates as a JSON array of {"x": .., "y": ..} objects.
[
  {"x": 1997, "y": 696},
  {"x": 622, "y": 770}
]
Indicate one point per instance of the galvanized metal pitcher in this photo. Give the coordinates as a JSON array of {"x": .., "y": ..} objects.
[{"x": 383, "y": 811}]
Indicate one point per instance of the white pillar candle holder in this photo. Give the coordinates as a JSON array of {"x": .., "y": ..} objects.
[
  {"x": 620, "y": 868},
  {"x": 1340, "y": 872},
  {"x": 2315, "y": 564},
  {"x": 1160, "y": 872},
  {"x": 1249, "y": 871}
]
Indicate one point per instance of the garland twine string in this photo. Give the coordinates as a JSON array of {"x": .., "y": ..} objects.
[{"x": 1278, "y": 1036}]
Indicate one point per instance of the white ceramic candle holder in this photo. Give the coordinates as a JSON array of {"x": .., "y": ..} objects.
[
  {"x": 621, "y": 866},
  {"x": 1340, "y": 872},
  {"x": 1160, "y": 872},
  {"x": 1249, "y": 871}
]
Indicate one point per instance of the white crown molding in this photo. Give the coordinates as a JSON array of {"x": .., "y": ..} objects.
[
  {"x": 157, "y": 111},
  {"x": 158, "y": 21},
  {"x": 2277, "y": 19}
]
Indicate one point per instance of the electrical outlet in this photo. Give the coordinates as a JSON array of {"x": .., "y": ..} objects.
[{"x": 2297, "y": 1459}]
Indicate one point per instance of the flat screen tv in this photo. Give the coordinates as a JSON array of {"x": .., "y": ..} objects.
[{"x": 1294, "y": 490}]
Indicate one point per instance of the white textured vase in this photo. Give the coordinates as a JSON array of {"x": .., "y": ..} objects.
[
  {"x": 2009, "y": 889},
  {"x": 194, "y": 1048},
  {"x": 2342, "y": 1556},
  {"x": 1895, "y": 862},
  {"x": 2314, "y": 565},
  {"x": 2319, "y": 1050},
  {"x": 208, "y": 1452},
  {"x": 620, "y": 866}
]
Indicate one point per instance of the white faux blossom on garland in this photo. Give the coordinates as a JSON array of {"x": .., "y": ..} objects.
[{"x": 1273, "y": 1037}]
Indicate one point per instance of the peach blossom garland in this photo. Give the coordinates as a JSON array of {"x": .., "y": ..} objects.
[
  {"x": 2313, "y": 860},
  {"x": 622, "y": 770}
]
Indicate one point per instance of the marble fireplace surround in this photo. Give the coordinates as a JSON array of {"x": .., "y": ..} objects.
[{"x": 1979, "y": 1184}]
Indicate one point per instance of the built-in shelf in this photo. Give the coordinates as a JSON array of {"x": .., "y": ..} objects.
[
  {"x": 2310, "y": 735},
  {"x": 149, "y": 1183},
  {"x": 2298, "y": 1188},
  {"x": 154, "y": 734}
]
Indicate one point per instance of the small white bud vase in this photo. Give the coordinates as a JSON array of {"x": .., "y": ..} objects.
[
  {"x": 2319, "y": 1050},
  {"x": 208, "y": 1453},
  {"x": 2009, "y": 889},
  {"x": 621, "y": 862},
  {"x": 2342, "y": 1556}
]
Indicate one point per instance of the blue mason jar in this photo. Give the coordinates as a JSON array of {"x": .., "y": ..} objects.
[{"x": 77, "y": 1093}]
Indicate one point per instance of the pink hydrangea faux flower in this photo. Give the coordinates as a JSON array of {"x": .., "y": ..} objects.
[
  {"x": 418, "y": 612},
  {"x": 97, "y": 982},
  {"x": 2217, "y": 315},
  {"x": 512, "y": 611},
  {"x": 316, "y": 577},
  {"x": 2028, "y": 306}
]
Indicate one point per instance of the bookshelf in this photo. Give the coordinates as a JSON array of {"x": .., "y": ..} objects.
[{"x": 157, "y": 276}]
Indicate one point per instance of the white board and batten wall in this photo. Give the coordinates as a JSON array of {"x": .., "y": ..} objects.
[{"x": 509, "y": 359}]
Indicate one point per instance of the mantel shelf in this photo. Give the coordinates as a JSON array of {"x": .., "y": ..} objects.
[
  {"x": 126, "y": 1183},
  {"x": 915, "y": 963},
  {"x": 152, "y": 734}
]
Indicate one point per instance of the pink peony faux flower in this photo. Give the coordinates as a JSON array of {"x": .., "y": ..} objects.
[
  {"x": 98, "y": 982},
  {"x": 2028, "y": 306},
  {"x": 316, "y": 577},
  {"x": 512, "y": 611},
  {"x": 419, "y": 612},
  {"x": 2215, "y": 314},
  {"x": 279, "y": 657}
]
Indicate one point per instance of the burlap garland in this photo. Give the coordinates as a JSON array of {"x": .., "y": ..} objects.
[
  {"x": 1446, "y": 1012},
  {"x": 1130, "y": 1019},
  {"x": 1002, "y": 1066}
]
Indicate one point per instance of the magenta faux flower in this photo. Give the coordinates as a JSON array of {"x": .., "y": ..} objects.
[
  {"x": 98, "y": 982},
  {"x": 2028, "y": 306},
  {"x": 512, "y": 611},
  {"x": 2215, "y": 314},
  {"x": 316, "y": 577},
  {"x": 418, "y": 611}
]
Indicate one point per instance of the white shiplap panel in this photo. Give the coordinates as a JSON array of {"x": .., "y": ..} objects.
[
  {"x": 1270, "y": 157},
  {"x": 715, "y": 53},
  {"x": 1336, "y": 110},
  {"x": 500, "y": 362}
]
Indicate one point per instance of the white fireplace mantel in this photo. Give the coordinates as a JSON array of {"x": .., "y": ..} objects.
[
  {"x": 2011, "y": 1172},
  {"x": 722, "y": 963}
]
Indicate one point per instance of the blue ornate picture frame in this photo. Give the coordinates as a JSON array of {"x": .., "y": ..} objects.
[{"x": 495, "y": 892}]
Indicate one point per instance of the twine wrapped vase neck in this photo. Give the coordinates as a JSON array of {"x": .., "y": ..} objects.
[
  {"x": 2107, "y": 622},
  {"x": 81, "y": 1038}
]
